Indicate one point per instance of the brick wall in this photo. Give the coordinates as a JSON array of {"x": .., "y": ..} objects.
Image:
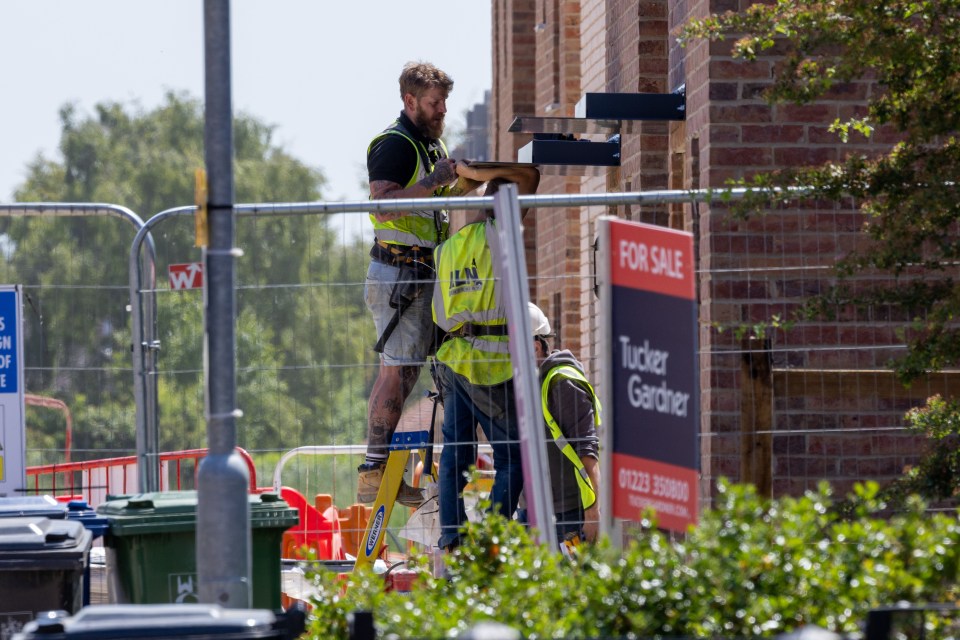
[
  {"x": 593, "y": 51},
  {"x": 638, "y": 63},
  {"x": 514, "y": 73},
  {"x": 747, "y": 269},
  {"x": 753, "y": 269},
  {"x": 557, "y": 230}
]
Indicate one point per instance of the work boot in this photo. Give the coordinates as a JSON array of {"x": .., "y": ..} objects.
[{"x": 371, "y": 474}]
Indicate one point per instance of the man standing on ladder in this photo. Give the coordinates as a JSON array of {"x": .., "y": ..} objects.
[{"x": 406, "y": 160}]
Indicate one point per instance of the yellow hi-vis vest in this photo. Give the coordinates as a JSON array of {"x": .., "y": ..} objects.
[
  {"x": 419, "y": 228},
  {"x": 587, "y": 493},
  {"x": 466, "y": 292}
]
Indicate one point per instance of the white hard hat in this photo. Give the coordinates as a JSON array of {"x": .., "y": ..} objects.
[{"x": 538, "y": 321}]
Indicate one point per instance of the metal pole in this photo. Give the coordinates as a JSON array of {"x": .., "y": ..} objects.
[
  {"x": 223, "y": 521},
  {"x": 526, "y": 375},
  {"x": 145, "y": 372},
  {"x": 69, "y": 210},
  {"x": 608, "y": 526},
  {"x": 485, "y": 202},
  {"x": 146, "y": 346}
]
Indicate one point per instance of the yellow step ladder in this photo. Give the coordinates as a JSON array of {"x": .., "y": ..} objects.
[{"x": 399, "y": 453}]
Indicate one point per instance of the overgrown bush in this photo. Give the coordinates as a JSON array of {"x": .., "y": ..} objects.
[
  {"x": 937, "y": 475},
  {"x": 752, "y": 568}
]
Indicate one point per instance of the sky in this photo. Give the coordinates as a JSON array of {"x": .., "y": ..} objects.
[{"x": 323, "y": 73}]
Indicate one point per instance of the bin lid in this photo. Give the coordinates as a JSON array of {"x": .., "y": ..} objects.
[
  {"x": 77, "y": 508},
  {"x": 80, "y": 510},
  {"x": 176, "y": 511},
  {"x": 45, "y": 506},
  {"x": 128, "y": 622},
  {"x": 42, "y": 539}
]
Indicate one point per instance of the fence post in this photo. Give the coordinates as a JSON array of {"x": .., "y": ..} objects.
[
  {"x": 526, "y": 376},
  {"x": 756, "y": 415}
]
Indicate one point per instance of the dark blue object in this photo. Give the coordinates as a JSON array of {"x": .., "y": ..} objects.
[
  {"x": 96, "y": 524},
  {"x": 632, "y": 106},
  {"x": 80, "y": 510}
]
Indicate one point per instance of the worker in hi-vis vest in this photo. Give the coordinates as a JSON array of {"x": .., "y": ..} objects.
[
  {"x": 474, "y": 374},
  {"x": 571, "y": 411},
  {"x": 407, "y": 160}
]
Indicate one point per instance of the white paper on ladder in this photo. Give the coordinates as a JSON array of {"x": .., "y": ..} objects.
[{"x": 423, "y": 526}]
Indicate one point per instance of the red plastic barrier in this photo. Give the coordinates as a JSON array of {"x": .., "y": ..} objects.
[{"x": 319, "y": 531}]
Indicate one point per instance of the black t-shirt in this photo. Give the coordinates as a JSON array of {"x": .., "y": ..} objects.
[{"x": 392, "y": 157}]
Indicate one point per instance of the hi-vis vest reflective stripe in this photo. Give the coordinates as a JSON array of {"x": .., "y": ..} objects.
[
  {"x": 414, "y": 228},
  {"x": 466, "y": 292},
  {"x": 587, "y": 493}
]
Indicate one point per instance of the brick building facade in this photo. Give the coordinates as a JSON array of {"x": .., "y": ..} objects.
[{"x": 800, "y": 405}]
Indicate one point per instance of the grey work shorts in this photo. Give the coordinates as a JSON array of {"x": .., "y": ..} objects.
[{"x": 412, "y": 339}]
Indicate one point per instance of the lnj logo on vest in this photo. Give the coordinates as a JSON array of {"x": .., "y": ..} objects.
[
  {"x": 465, "y": 279},
  {"x": 375, "y": 529}
]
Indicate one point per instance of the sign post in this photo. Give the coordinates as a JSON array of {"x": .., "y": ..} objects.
[
  {"x": 13, "y": 469},
  {"x": 650, "y": 386}
]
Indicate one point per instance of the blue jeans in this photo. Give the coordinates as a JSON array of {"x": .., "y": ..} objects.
[{"x": 460, "y": 417}]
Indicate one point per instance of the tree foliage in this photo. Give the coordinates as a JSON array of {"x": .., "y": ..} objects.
[
  {"x": 752, "y": 568},
  {"x": 302, "y": 329},
  {"x": 936, "y": 476},
  {"x": 907, "y": 51}
]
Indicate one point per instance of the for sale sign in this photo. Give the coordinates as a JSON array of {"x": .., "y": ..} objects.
[
  {"x": 652, "y": 395},
  {"x": 12, "y": 429}
]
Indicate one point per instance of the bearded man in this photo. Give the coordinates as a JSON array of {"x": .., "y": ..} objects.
[{"x": 406, "y": 160}]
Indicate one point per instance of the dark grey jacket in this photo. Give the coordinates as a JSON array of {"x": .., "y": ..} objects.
[{"x": 571, "y": 406}]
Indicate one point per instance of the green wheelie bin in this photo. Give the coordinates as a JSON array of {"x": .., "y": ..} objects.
[{"x": 151, "y": 547}]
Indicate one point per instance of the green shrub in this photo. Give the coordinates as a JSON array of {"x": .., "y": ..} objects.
[{"x": 752, "y": 568}]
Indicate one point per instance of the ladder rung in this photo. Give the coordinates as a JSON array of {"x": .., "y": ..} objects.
[{"x": 409, "y": 440}]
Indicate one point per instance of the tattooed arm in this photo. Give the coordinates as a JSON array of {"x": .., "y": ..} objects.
[{"x": 444, "y": 172}]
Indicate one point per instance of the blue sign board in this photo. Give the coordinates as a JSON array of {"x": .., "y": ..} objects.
[
  {"x": 9, "y": 326},
  {"x": 12, "y": 428}
]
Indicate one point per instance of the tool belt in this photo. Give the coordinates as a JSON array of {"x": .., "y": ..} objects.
[
  {"x": 470, "y": 330},
  {"x": 414, "y": 272},
  {"x": 397, "y": 254}
]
